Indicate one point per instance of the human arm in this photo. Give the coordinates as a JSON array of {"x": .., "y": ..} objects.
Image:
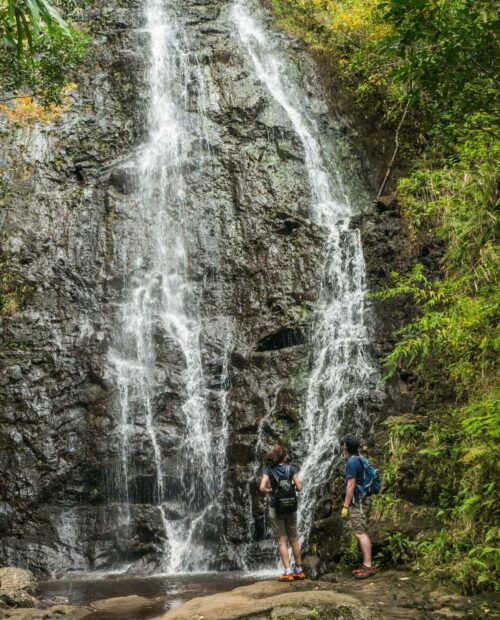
[
  {"x": 264, "y": 488},
  {"x": 352, "y": 474},
  {"x": 298, "y": 482},
  {"x": 349, "y": 492}
]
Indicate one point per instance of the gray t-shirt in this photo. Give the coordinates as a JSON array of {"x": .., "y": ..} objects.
[{"x": 280, "y": 471}]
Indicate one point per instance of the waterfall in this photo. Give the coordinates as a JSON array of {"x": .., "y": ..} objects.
[
  {"x": 342, "y": 373},
  {"x": 160, "y": 309}
]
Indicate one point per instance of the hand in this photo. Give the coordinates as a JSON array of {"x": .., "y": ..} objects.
[{"x": 345, "y": 512}]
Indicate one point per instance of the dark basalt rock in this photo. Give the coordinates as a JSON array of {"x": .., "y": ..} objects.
[
  {"x": 386, "y": 203},
  {"x": 282, "y": 339}
]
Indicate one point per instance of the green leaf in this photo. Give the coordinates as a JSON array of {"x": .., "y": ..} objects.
[
  {"x": 35, "y": 16},
  {"x": 50, "y": 15},
  {"x": 27, "y": 31}
]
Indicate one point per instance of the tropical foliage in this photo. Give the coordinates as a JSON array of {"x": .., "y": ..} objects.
[
  {"x": 39, "y": 50},
  {"x": 435, "y": 64},
  {"x": 442, "y": 55}
]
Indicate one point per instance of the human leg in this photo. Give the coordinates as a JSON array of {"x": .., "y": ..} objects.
[
  {"x": 283, "y": 551},
  {"x": 278, "y": 528},
  {"x": 366, "y": 548},
  {"x": 359, "y": 514},
  {"x": 298, "y": 573},
  {"x": 291, "y": 532},
  {"x": 295, "y": 545}
]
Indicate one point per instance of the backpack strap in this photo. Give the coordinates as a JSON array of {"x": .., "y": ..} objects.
[
  {"x": 359, "y": 487},
  {"x": 288, "y": 469},
  {"x": 275, "y": 475}
]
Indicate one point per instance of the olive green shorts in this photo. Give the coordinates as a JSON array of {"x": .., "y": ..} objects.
[
  {"x": 360, "y": 516},
  {"x": 283, "y": 524}
]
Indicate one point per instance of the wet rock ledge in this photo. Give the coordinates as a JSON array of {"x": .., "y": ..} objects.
[
  {"x": 389, "y": 595},
  {"x": 18, "y": 601}
]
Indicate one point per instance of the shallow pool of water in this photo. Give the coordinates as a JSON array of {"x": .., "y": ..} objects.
[{"x": 173, "y": 590}]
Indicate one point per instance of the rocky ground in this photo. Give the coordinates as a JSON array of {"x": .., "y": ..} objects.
[
  {"x": 123, "y": 608},
  {"x": 391, "y": 595}
]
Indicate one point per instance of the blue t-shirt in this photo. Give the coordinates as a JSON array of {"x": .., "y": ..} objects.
[
  {"x": 280, "y": 471},
  {"x": 354, "y": 469}
]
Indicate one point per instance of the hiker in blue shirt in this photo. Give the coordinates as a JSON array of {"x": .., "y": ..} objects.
[{"x": 357, "y": 504}]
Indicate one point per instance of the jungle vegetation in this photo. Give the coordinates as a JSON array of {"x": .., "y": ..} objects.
[
  {"x": 40, "y": 50},
  {"x": 429, "y": 70}
]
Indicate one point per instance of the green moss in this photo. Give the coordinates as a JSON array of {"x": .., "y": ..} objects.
[
  {"x": 14, "y": 291},
  {"x": 318, "y": 612},
  {"x": 111, "y": 215}
]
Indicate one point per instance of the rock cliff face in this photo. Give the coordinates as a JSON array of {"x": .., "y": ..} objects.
[{"x": 254, "y": 257}]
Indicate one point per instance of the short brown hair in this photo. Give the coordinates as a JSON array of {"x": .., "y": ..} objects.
[{"x": 276, "y": 455}]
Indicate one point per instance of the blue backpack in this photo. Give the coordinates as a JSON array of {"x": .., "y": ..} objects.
[{"x": 371, "y": 484}]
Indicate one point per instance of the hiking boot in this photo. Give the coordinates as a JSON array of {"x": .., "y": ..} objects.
[
  {"x": 364, "y": 572},
  {"x": 299, "y": 576},
  {"x": 285, "y": 577}
]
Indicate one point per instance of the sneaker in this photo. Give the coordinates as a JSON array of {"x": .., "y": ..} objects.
[
  {"x": 365, "y": 572},
  {"x": 299, "y": 576},
  {"x": 285, "y": 577}
]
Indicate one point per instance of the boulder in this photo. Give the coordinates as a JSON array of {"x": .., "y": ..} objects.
[
  {"x": 416, "y": 522},
  {"x": 311, "y": 566},
  {"x": 6, "y": 516},
  {"x": 386, "y": 203},
  {"x": 122, "y": 606},
  {"x": 66, "y": 612},
  {"x": 17, "y": 587},
  {"x": 272, "y": 599}
]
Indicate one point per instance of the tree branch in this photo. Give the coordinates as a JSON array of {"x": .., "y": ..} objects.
[
  {"x": 391, "y": 163},
  {"x": 17, "y": 97}
]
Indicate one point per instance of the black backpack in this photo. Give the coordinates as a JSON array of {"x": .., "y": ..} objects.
[{"x": 285, "y": 497}]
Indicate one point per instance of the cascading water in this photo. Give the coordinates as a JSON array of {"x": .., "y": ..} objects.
[
  {"x": 160, "y": 307},
  {"x": 342, "y": 371},
  {"x": 250, "y": 525}
]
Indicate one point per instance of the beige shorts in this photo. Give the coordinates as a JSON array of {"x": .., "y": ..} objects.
[
  {"x": 360, "y": 516},
  {"x": 283, "y": 524}
]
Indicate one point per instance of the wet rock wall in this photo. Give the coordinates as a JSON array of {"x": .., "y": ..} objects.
[{"x": 255, "y": 261}]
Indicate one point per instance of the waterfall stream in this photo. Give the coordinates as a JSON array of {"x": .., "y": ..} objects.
[
  {"x": 160, "y": 306},
  {"x": 161, "y": 310},
  {"x": 342, "y": 371}
]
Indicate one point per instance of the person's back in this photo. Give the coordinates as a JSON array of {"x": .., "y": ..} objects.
[{"x": 283, "y": 480}]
